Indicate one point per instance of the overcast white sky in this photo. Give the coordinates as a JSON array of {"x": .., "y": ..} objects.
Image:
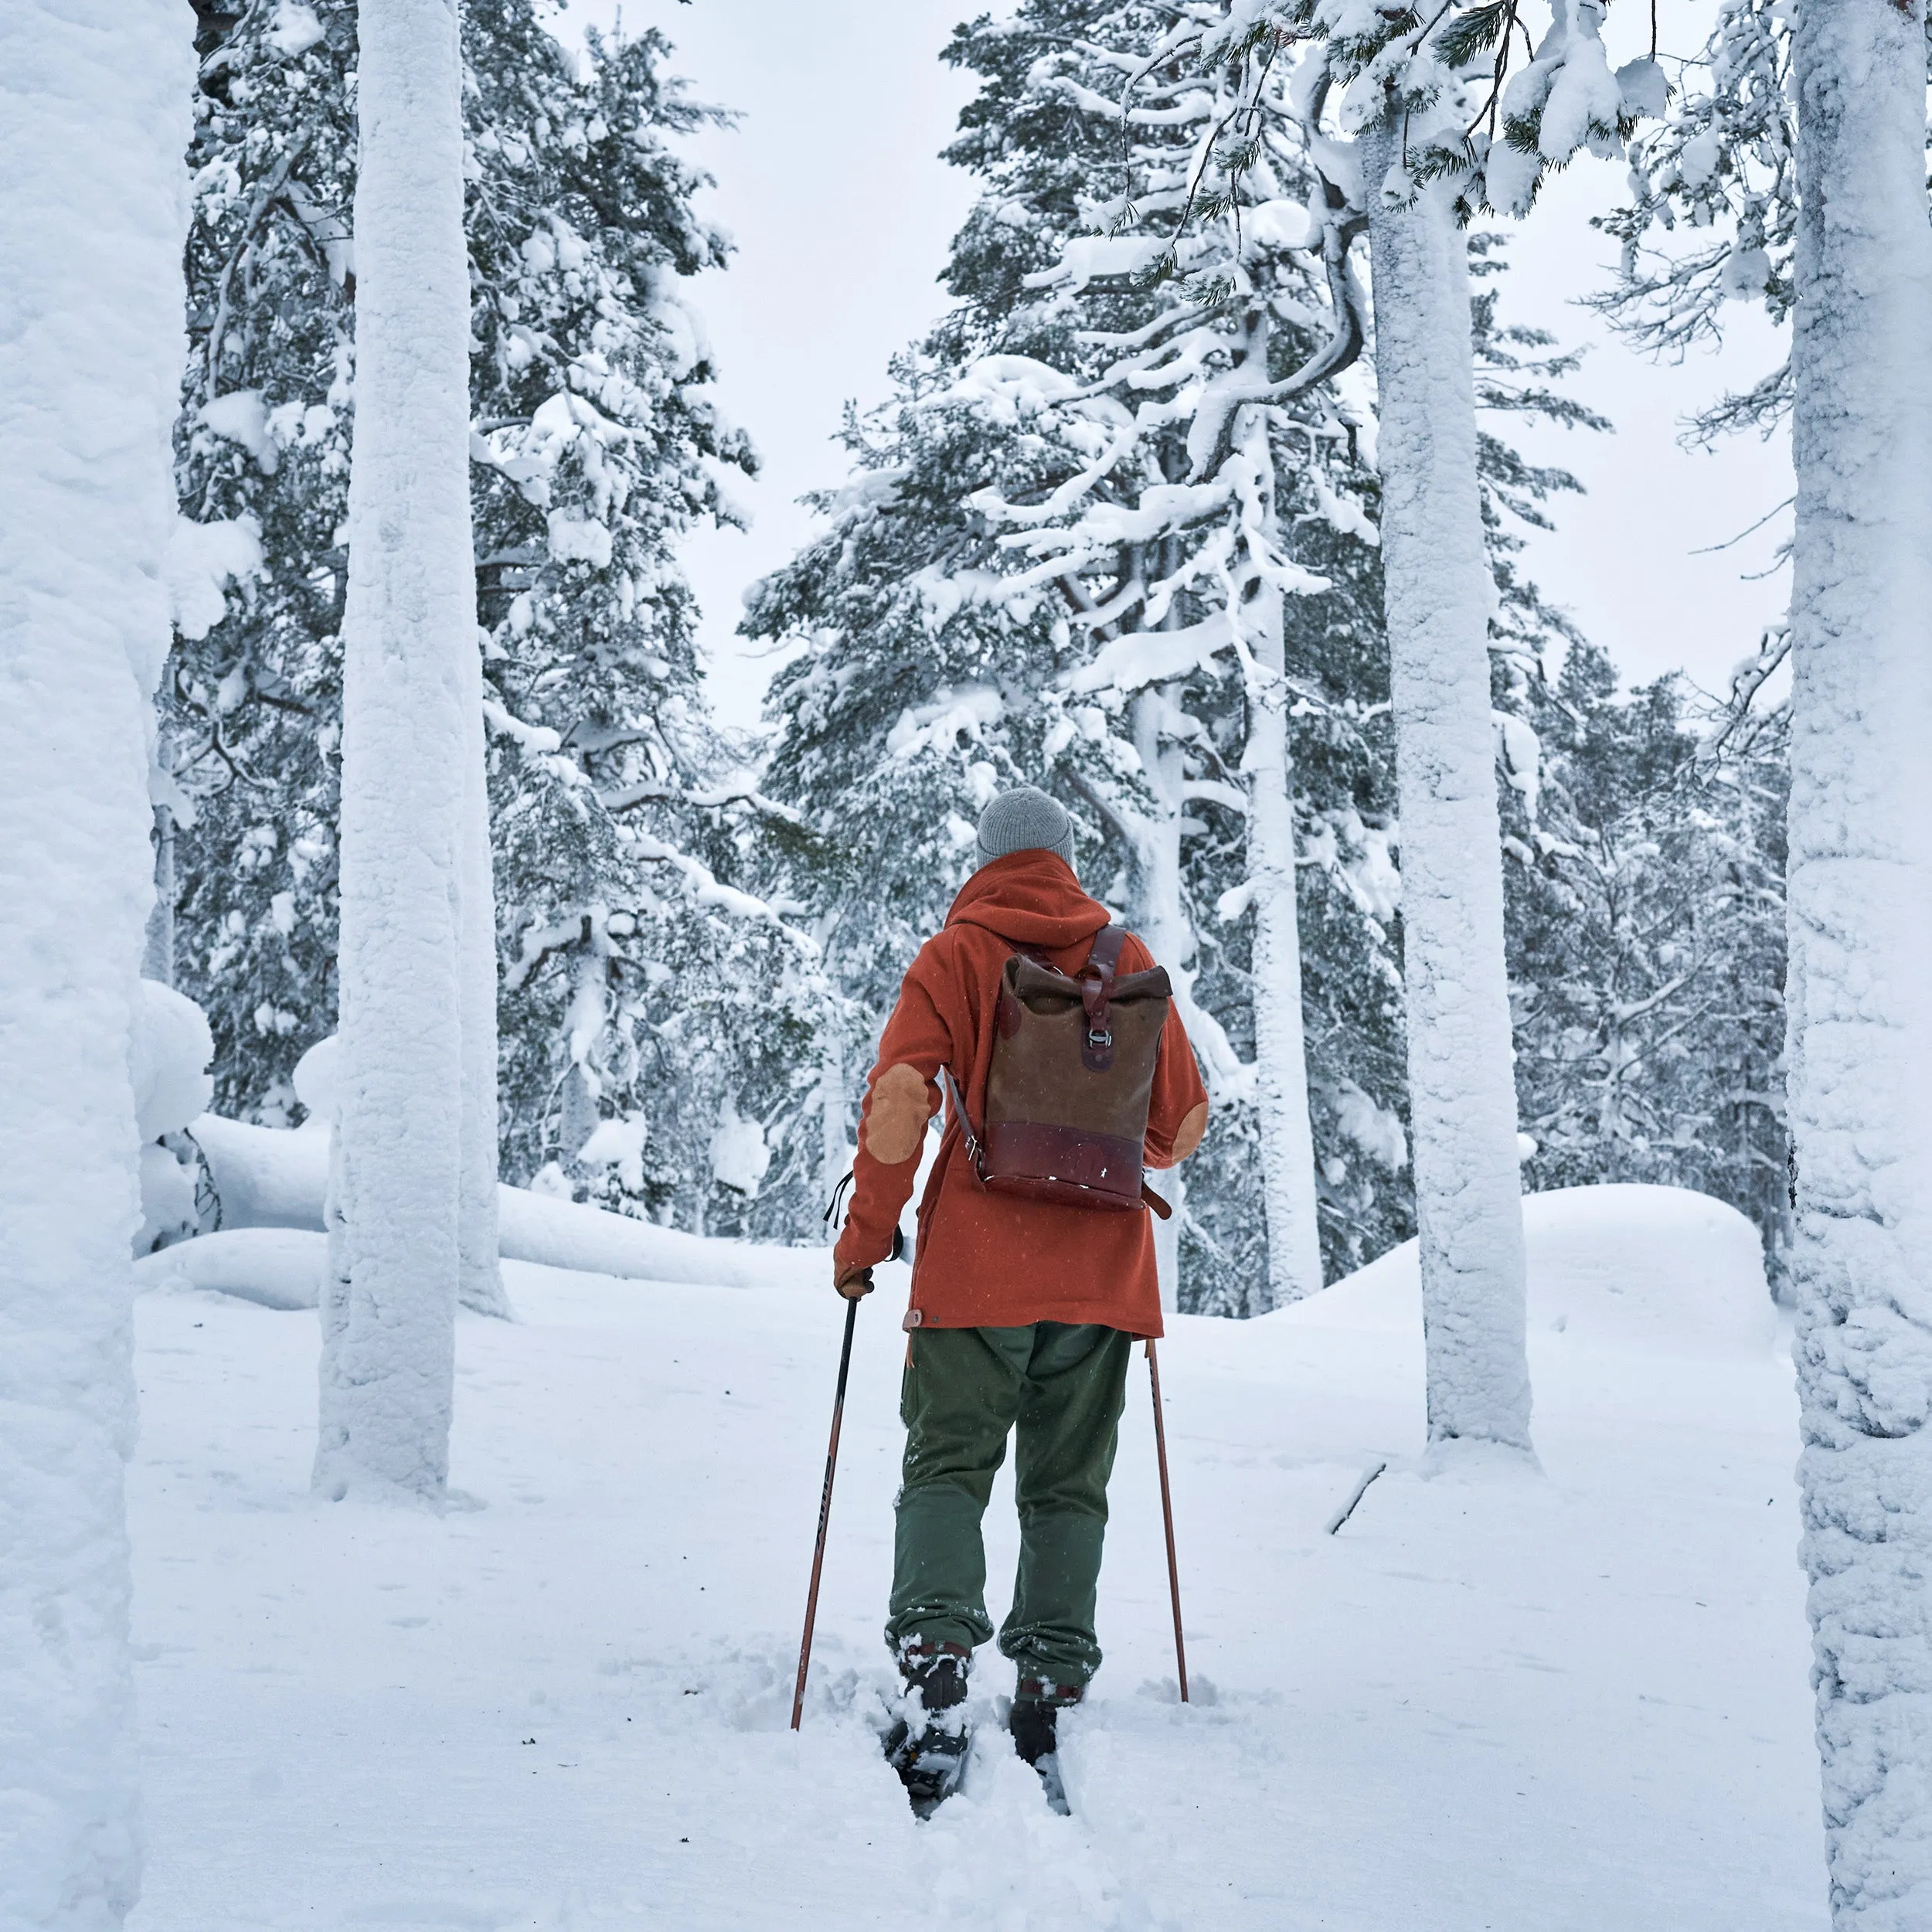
[{"x": 842, "y": 212}]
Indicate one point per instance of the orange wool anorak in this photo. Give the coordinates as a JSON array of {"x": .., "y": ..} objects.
[{"x": 997, "y": 1261}]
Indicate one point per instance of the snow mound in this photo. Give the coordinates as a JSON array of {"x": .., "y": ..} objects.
[
  {"x": 1653, "y": 1269},
  {"x": 169, "y": 1050},
  {"x": 166, "y": 1198}
]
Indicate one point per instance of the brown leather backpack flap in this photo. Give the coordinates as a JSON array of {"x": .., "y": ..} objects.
[
  {"x": 1041, "y": 1073},
  {"x": 1044, "y": 990}
]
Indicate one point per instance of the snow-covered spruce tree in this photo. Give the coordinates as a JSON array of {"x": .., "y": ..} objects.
[
  {"x": 1023, "y": 580},
  {"x": 251, "y": 704},
  {"x": 1167, "y": 541},
  {"x": 1861, "y": 930},
  {"x": 94, "y": 113},
  {"x": 1646, "y": 887},
  {"x": 633, "y": 980},
  {"x": 1712, "y": 218},
  {"x": 653, "y": 1009}
]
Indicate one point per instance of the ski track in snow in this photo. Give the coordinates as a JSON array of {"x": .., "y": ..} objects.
[{"x": 1495, "y": 1700}]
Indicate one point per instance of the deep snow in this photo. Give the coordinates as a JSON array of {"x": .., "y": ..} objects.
[{"x": 1495, "y": 1700}]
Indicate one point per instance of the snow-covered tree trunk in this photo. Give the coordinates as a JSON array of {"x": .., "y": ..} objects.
[
  {"x": 157, "y": 947},
  {"x": 480, "y": 1283},
  {"x": 1860, "y": 935},
  {"x": 1163, "y": 921},
  {"x": 93, "y": 121},
  {"x": 1280, "y": 1055},
  {"x": 409, "y": 877},
  {"x": 1280, "y": 1049},
  {"x": 1162, "y": 917},
  {"x": 1438, "y": 594}
]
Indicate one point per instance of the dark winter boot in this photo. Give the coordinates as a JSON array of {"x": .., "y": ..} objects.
[
  {"x": 1034, "y": 1723},
  {"x": 929, "y": 1739}
]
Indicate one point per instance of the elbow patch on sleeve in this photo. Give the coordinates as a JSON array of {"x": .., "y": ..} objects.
[
  {"x": 1190, "y": 1134},
  {"x": 897, "y": 1118}
]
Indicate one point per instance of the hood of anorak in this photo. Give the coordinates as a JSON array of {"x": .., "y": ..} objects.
[{"x": 1031, "y": 898}]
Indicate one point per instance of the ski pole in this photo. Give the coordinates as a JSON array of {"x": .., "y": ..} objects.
[
  {"x": 824, "y": 1513},
  {"x": 1167, "y": 1515}
]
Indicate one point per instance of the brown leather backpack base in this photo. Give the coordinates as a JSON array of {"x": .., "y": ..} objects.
[{"x": 1072, "y": 1076}]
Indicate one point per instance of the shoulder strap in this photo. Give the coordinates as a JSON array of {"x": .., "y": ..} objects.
[{"x": 1105, "y": 958}]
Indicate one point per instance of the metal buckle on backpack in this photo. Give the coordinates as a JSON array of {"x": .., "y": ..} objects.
[{"x": 1098, "y": 1040}]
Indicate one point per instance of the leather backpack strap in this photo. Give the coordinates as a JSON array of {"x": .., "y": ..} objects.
[
  {"x": 1096, "y": 985},
  {"x": 975, "y": 1149},
  {"x": 1105, "y": 958}
]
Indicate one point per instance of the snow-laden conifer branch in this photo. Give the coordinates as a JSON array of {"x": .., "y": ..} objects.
[
  {"x": 1464, "y": 116},
  {"x": 707, "y": 798},
  {"x": 703, "y": 887},
  {"x": 1713, "y": 216},
  {"x": 1774, "y": 650}
]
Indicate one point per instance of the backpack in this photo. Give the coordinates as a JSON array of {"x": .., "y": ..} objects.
[{"x": 1071, "y": 1078}]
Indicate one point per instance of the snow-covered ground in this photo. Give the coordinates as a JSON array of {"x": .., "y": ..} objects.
[{"x": 1493, "y": 1701}]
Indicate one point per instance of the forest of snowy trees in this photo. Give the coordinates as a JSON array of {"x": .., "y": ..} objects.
[
  {"x": 691, "y": 969},
  {"x": 1202, "y": 503}
]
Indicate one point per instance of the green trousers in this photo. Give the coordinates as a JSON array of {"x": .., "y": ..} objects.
[{"x": 963, "y": 1390}]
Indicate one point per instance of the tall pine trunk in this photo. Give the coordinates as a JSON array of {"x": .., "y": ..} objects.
[
  {"x": 1281, "y": 1050},
  {"x": 1163, "y": 923},
  {"x": 94, "y": 97},
  {"x": 1437, "y": 596},
  {"x": 480, "y": 1280},
  {"x": 1860, "y": 913},
  {"x": 414, "y": 895},
  {"x": 1281, "y": 1046}
]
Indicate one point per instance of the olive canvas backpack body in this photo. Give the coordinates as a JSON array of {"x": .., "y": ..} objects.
[{"x": 1071, "y": 1078}]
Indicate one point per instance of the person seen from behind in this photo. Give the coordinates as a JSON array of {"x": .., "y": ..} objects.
[{"x": 1034, "y": 1270}]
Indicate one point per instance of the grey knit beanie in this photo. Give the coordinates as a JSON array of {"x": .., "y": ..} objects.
[{"x": 1024, "y": 820}]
